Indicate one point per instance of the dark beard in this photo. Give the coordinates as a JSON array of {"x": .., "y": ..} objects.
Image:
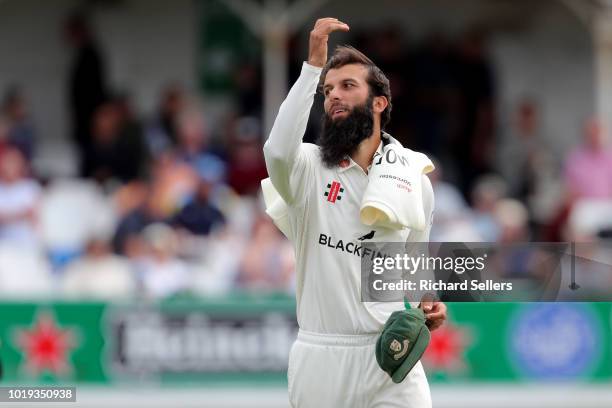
[{"x": 340, "y": 138}]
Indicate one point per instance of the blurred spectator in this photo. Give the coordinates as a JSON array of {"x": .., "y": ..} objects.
[
  {"x": 21, "y": 132},
  {"x": 127, "y": 239},
  {"x": 248, "y": 80},
  {"x": 132, "y": 138},
  {"x": 512, "y": 218},
  {"x": 432, "y": 89},
  {"x": 247, "y": 166},
  {"x": 19, "y": 198},
  {"x": 99, "y": 274},
  {"x": 535, "y": 262},
  {"x": 588, "y": 168},
  {"x": 174, "y": 182},
  {"x": 24, "y": 273},
  {"x": 71, "y": 210},
  {"x": 171, "y": 185},
  {"x": 161, "y": 133},
  {"x": 129, "y": 197},
  {"x": 519, "y": 151},
  {"x": 474, "y": 109},
  {"x": 87, "y": 82},
  {"x": 386, "y": 46},
  {"x": 200, "y": 216},
  {"x": 193, "y": 138},
  {"x": 267, "y": 262},
  {"x": 587, "y": 219},
  {"x": 529, "y": 166},
  {"x": 487, "y": 192},
  {"x": 162, "y": 273},
  {"x": 452, "y": 219},
  {"x": 115, "y": 150},
  {"x": 449, "y": 201},
  {"x": 4, "y": 133},
  {"x": 588, "y": 180}
]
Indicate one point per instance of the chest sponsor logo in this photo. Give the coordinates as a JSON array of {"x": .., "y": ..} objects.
[
  {"x": 350, "y": 247},
  {"x": 334, "y": 191}
]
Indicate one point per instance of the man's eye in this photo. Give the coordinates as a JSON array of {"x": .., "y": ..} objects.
[{"x": 349, "y": 85}]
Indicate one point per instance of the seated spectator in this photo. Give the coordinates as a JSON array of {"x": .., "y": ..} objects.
[
  {"x": 267, "y": 262},
  {"x": 129, "y": 197},
  {"x": 246, "y": 164},
  {"x": 21, "y": 133},
  {"x": 524, "y": 159},
  {"x": 4, "y": 133},
  {"x": 201, "y": 216},
  {"x": 25, "y": 273},
  {"x": 536, "y": 263},
  {"x": 173, "y": 182},
  {"x": 70, "y": 211},
  {"x": 587, "y": 219},
  {"x": 513, "y": 220},
  {"x": 452, "y": 219},
  {"x": 162, "y": 273},
  {"x": 449, "y": 202},
  {"x": 132, "y": 136},
  {"x": 127, "y": 240},
  {"x": 216, "y": 259},
  {"x": 161, "y": 133},
  {"x": 113, "y": 152},
  {"x": 487, "y": 192},
  {"x": 193, "y": 138},
  {"x": 19, "y": 197},
  {"x": 588, "y": 168},
  {"x": 99, "y": 274}
]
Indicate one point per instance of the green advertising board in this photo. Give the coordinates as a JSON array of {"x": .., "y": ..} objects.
[{"x": 247, "y": 339}]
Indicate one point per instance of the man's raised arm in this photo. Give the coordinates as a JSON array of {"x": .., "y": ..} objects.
[{"x": 284, "y": 158}]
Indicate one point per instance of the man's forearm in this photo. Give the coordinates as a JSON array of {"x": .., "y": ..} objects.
[
  {"x": 292, "y": 118},
  {"x": 283, "y": 145}
]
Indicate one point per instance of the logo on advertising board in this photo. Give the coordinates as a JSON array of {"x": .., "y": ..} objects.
[
  {"x": 154, "y": 342},
  {"x": 555, "y": 340},
  {"x": 46, "y": 346},
  {"x": 447, "y": 349}
]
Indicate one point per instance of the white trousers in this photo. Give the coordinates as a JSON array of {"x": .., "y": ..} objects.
[{"x": 341, "y": 371}]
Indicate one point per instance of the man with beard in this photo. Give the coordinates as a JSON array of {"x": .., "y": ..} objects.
[{"x": 332, "y": 363}]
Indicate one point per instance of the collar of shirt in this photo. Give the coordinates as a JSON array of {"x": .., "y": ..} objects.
[{"x": 348, "y": 163}]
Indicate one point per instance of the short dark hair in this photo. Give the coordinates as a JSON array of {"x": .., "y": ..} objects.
[{"x": 376, "y": 79}]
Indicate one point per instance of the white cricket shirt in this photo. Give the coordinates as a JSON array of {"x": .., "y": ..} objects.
[{"x": 324, "y": 208}]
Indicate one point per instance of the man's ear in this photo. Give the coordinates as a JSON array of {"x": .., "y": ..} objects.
[{"x": 379, "y": 104}]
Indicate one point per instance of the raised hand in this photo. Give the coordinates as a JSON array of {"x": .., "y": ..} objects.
[{"x": 317, "y": 53}]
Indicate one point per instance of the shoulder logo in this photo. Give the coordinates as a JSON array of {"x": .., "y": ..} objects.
[{"x": 334, "y": 191}]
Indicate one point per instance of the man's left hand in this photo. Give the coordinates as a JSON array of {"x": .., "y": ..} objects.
[{"x": 435, "y": 313}]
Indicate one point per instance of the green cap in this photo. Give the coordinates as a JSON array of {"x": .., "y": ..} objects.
[{"x": 402, "y": 343}]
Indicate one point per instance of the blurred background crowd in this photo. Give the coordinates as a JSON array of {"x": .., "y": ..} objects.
[{"x": 167, "y": 202}]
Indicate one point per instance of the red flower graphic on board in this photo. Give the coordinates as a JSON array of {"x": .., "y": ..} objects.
[
  {"x": 46, "y": 346},
  {"x": 446, "y": 350}
]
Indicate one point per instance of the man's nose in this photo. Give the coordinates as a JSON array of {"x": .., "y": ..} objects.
[{"x": 333, "y": 95}]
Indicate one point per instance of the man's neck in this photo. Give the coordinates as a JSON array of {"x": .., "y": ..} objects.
[{"x": 365, "y": 151}]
